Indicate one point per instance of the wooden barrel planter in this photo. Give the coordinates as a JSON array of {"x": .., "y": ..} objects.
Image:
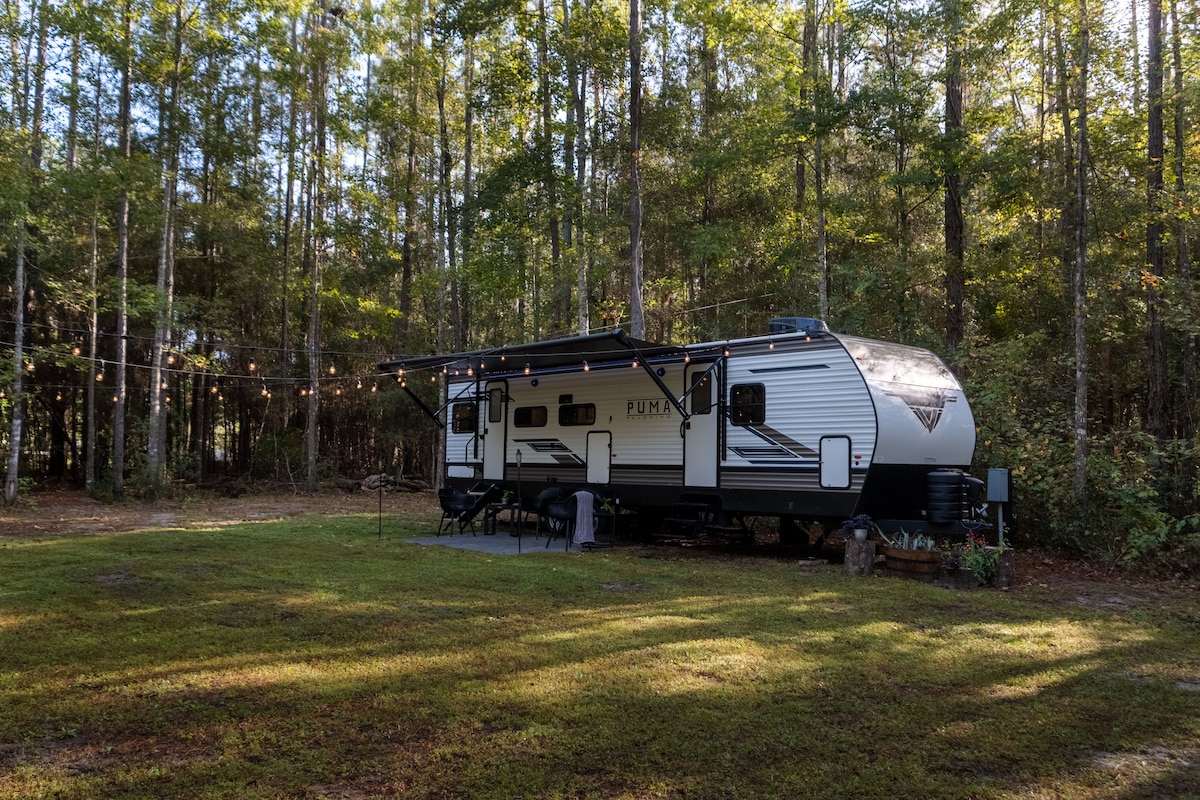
[{"x": 918, "y": 565}]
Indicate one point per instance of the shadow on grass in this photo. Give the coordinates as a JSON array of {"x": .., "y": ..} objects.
[{"x": 313, "y": 658}]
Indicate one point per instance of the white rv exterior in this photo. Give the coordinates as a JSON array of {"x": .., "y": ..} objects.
[{"x": 808, "y": 425}]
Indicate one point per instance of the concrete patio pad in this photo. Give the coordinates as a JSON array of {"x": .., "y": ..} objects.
[{"x": 501, "y": 543}]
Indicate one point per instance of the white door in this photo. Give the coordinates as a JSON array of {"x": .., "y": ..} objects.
[
  {"x": 494, "y": 425},
  {"x": 599, "y": 457},
  {"x": 700, "y": 455}
]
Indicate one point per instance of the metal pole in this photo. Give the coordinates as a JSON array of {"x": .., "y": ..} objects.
[{"x": 520, "y": 522}]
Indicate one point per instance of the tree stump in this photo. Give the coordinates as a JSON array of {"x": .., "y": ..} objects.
[
  {"x": 860, "y": 558},
  {"x": 1006, "y": 569}
]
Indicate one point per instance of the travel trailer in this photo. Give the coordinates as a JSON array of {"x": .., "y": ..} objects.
[{"x": 801, "y": 424}]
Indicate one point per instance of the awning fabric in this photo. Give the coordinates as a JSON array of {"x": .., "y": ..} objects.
[{"x": 550, "y": 356}]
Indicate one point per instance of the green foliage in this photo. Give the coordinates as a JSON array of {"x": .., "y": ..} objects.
[{"x": 975, "y": 554}]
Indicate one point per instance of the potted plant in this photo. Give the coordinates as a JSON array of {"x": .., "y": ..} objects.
[
  {"x": 858, "y": 527},
  {"x": 976, "y": 557},
  {"x": 911, "y": 555}
]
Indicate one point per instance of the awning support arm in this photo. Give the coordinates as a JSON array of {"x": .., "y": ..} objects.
[
  {"x": 662, "y": 387},
  {"x": 433, "y": 415}
]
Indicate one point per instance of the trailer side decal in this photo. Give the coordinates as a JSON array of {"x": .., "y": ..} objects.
[
  {"x": 553, "y": 448},
  {"x": 780, "y": 445},
  {"x": 927, "y": 404}
]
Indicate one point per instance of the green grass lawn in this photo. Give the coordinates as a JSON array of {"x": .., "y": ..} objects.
[{"x": 311, "y": 658}]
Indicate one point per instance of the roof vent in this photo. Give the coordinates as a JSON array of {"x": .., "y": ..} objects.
[{"x": 798, "y": 325}]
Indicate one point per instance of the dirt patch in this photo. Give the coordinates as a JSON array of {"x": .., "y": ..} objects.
[{"x": 63, "y": 512}]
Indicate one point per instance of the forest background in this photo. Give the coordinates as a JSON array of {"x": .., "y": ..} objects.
[{"x": 218, "y": 216}]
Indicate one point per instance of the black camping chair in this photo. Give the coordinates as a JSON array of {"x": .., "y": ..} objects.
[
  {"x": 457, "y": 507},
  {"x": 537, "y": 507},
  {"x": 560, "y": 520}
]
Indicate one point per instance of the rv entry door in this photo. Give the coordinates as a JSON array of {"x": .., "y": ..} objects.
[
  {"x": 495, "y": 430},
  {"x": 700, "y": 431},
  {"x": 599, "y": 457}
]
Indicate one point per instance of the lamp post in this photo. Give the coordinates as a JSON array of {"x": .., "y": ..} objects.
[{"x": 520, "y": 522}]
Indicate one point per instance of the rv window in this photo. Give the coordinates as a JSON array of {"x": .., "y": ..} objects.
[
  {"x": 530, "y": 417},
  {"x": 577, "y": 414},
  {"x": 702, "y": 393},
  {"x": 496, "y": 405},
  {"x": 748, "y": 404},
  {"x": 464, "y": 420}
]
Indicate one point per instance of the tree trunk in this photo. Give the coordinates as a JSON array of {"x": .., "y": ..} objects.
[
  {"x": 1080, "y": 282},
  {"x": 637, "y": 322},
  {"x": 317, "y": 193},
  {"x": 955, "y": 281},
  {"x": 462, "y": 307},
  {"x": 560, "y": 287},
  {"x": 1186, "y": 405},
  {"x": 126, "y": 134},
  {"x": 1156, "y": 350},
  {"x": 156, "y": 437}
]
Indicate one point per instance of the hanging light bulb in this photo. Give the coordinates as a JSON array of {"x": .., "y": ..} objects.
[
  {"x": 170, "y": 358},
  {"x": 58, "y": 396},
  {"x": 338, "y": 390},
  {"x": 212, "y": 389},
  {"x": 585, "y": 366},
  {"x": 526, "y": 367},
  {"x": 30, "y": 367},
  {"x": 470, "y": 372},
  {"x": 76, "y": 350},
  {"x": 251, "y": 366},
  {"x": 221, "y": 398},
  {"x": 332, "y": 369},
  {"x": 770, "y": 344},
  {"x": 168, "y": 398},
  {"x": 687, "y": 358},
  {"x": 359, "y": 384},
  {"x": 163, "y": 385},
  {"x": 374, "y": 387},
  {"x": 433, "y": 378}
]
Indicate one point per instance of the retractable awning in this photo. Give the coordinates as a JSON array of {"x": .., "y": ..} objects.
[
  {"x": 550, "y": 356},
  {"x": 593, "y": 351}
]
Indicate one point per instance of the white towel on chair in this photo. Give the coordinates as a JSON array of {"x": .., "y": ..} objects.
[{"x": 584, "y": 533}]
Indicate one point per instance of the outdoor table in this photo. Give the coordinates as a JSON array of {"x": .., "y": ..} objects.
[{"x": 494, "y": 510}]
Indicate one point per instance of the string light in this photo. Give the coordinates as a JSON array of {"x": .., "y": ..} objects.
[
  {"x": 29, "y": 367},
  {"x": 251, "y": 366},
  {"x": 332, "y": 369},
  {"x": 585, "y": 366},
  {"x": 526, "y": 367},
  {"x": 770, "y": 344}
]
